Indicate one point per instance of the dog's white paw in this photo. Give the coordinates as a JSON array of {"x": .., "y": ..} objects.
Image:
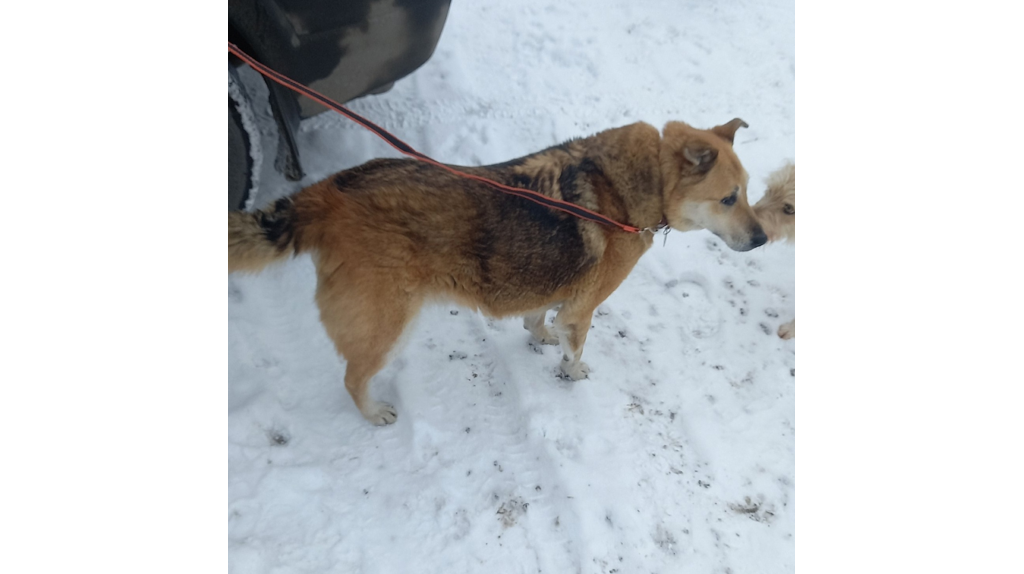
[
  {"x": 548, "y": 339},
  {"x": 544, "y": 336},
  {"x": 380, "y": 414},
  {"x": 788, "y": 330},
  {"x": 575, "y": 371}
]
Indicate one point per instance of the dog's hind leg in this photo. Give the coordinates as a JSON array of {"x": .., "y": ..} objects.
[
  {"x": 365, "y": 327},
  {"x": 534, "y": 323}
]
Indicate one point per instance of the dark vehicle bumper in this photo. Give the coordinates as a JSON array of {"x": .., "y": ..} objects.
[{"x": 342, "y": 49}]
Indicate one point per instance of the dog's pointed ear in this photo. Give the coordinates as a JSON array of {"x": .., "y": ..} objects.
[
  {"x": 727, "y": 131},
  {"x": 701, "y": 159}
]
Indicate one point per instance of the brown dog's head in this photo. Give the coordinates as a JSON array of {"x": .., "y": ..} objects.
[
  {"x": 777, "y": 209},
  {"x": 706, "y": 185}
]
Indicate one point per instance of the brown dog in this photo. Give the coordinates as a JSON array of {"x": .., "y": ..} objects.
[
  {"x": 393, "y": 234},
  {"x": 777, "y": 213}
]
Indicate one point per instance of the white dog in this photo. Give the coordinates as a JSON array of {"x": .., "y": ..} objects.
[{"x": 777, "y": 213}]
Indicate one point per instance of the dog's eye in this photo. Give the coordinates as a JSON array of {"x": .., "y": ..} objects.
[
  {"x": 788, "y": 209},
  {"x": 729, "y": 200}
]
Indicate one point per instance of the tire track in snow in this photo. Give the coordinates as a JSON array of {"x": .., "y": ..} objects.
[
  {"x": 521, "y": 483},
  {"x": 287, "y": 333},
  {"x": 645, "y": 526},
  {"x": 531, "y": 473}
]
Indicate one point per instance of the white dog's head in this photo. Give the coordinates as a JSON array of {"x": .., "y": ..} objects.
[{"x": 777, "y": 209}]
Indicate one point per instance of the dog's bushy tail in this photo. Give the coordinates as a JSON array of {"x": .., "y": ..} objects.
[{"x": 257, "y": 239}]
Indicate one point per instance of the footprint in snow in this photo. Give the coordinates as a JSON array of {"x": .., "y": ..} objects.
[
  {"x": 234, "y": 293},
  {"x": 755, "y": 510},
  {"x": 700, "y": 318},
  {"x": 278, "y": 437},
  {"x": 510, "y": 511}
]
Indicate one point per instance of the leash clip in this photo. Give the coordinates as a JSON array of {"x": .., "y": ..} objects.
[{"x": 663, "y": 228}]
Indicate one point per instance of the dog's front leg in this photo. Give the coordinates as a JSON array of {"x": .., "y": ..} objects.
[{"x": 572, "y": 325}]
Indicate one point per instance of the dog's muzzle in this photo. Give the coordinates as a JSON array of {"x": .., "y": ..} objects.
[{"x": 757, "y": 239}]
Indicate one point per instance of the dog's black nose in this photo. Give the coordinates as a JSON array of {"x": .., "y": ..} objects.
[{"x": 758, "y": 239}]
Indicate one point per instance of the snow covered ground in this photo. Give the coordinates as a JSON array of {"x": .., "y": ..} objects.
[{"x": 676, "y": 455}]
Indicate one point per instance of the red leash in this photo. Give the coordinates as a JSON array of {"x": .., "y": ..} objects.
[{"x": 570, "y": 208}]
